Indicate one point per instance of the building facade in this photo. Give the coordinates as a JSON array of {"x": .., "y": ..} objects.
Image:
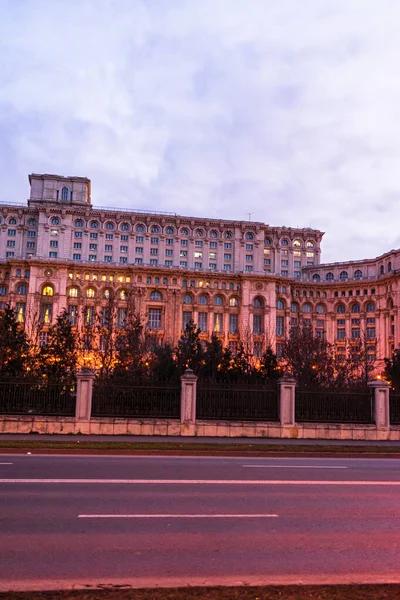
[{"x": 240, "y": 279}]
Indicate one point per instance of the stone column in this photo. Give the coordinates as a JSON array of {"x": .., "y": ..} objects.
[
  {"x": 381, "y": 395},
  {"x": 188, "y": 397},
  {"x": 287, "y": 386},
  {"x": 84, "y": 388}
]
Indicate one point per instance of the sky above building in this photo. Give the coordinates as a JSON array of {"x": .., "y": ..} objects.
[{"x": 283, "y": 112}]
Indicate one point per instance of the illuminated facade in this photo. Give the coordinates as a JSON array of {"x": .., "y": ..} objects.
[{"x": 243, "y": 280}]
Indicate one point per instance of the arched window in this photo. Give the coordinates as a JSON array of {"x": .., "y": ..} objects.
[
  {"x": 267, "y": 241},
  {"x": 107, "y": 293},
  {"x": 213, "y": 234},
  {"x": 32, "y": 223},
  {"x": 78, "y": 223},
  {"x": 306, "y": 308},
  {"x": 258, "y": 303},
  {"x": 218, "y": 301},
  {"x": 156, "y": 296},
  {"x": 355, "y": 308},
  {"x": 3, "y": 290},
  {"x": 310, "y": 244},
  {"x": 94, "y": 224},
  {"x": 90, "y": 293},
  {"x": 316, "y": 277},
  {"x": 320, "y": 309},
  {"x": 233, "y": 301},
  {"x": 382, "y": 270},
  {"x": 73, "y": 292},
  {"x": 109, "y": 225},
  {"x": 329, "y": 277},
  {"x": 280, "y": 305},
  {"x": 169, "y": 230},
  {"x": 21, "y": 290},
  {"x": 140, "y": 228},
  {"x": 199, "y": 233},
  {"x": 64, "y": 194},
  {"x": 228, "y": 235},
  {"x": 358, "y": 274},
  {"x": 184, "y": 231},
  {"x": 294, "y": 307},
  {"x": 297, "y": 243},
  {"x": 341, "y": 309},
  {"x": 370, "y": 307},
  {"x": 48, "y": 290},
  {"x": 343, "y": 276},
  {"x": 285, "y": 242},
  {"x": 203, "y": 299},
  {"x": 123, "y": 295},
  {"x": 55, "y": 221},
  {"x": 389, "y": 267},
  {"x": 155, "y": 229},
  {"x": 12, "y": 221},
  {"x": 187, "y": 299},
  {"x": 249, "y": 236},
  {"x": 125, "y": 227}
]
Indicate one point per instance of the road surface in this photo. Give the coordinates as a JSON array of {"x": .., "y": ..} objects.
[{"x": 67, "y": 520}]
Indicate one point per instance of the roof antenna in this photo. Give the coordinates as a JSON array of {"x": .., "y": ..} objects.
[{"x": 249, "y": 213}]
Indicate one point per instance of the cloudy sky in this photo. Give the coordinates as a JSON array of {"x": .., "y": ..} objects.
[{"x": 288, "y": 110}]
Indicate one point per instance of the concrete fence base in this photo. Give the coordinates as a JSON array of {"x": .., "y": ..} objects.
[{"x": 226, "y": 429}]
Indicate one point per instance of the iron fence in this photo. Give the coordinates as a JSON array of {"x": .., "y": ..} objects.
[
  {"x": 394, "y": 403},
  {"x": 334, "y": 406},
  {"x": 137, "y": 401},
  {"x": 37, "y": 398},
  {"x": 237, "y": 401}
]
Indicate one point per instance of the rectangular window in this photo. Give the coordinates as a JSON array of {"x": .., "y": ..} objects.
[
  {"x": 341, "y": 321},
  {"x": 153, "y": 251},
  {"x": 168, "y": 263},
  {"x": 227, "y": 256},
  {"x": 109, "y": 236},
  {"x": 249, "y": 257},
  {"x": 139, "y": 250},
  {"x": 249, "y": 247},
  {"x": 30, "y": 244},
  {"x": 154, "y": 240},
  {"x": 198, "y": 244},
  {"x": 121, "y": 317},
  {"x": 213, "y": 266},
  {"x": 169, "y": 242},
  {"x": 296, "y": 253},
  {"x": 320, "y": 332},
  {"x": 186, "y": 317},
  {"x": 183, "y": 263},
  {"x": 46, "y": 311},
  {"x": 371, "y": 333},
  {"x": 310, "y": 254},
  {"x": 31, "y": 233},
  {"x": 10, "y": 243},
  {"x": 88, "y": 315},
  {"x": 20, "y": 310},
  {"x": 77, "y": 245},
  {"x": 248, "y": 268},
  {"x": 73, "y": 314},
  {"x": 138, "y": 261},
  {"x": 280, "y": 326},
  {"x": 285, "y": 252},
  {"x": 78, "y": 234},
  {"x": 153, "y": 261},
  {"x": 371, "y": 321},
  {"x": 91, "y": 246},
  {"x": 169, "y": 252},
  {"x": 182, "y": 253},
  {"x": 139, "y": 239},
  {"x": 284, "y": 263},
  {"x": 233, "y": 323},
  {"x": 12, "y": 232},
  {"x": 53, "y": 243},
  {"x": 198, "y": 265},
  {"x": 258, "y": 349},
  {"x": 107, "y": 258},
  {"x": 355, "y": 333},
  {"x": 92, "y": 257},
  {"x": 184, "y": 242},
  {"x": 267, "y": 261},
  {"x": 213, "y": 245},
  {"x": 53, "y": 254},
  {"x": 202, "y": 321},
  {"x": 93, "y": 235},
  {"x": 198, "y": 254},
  {"x": 257, "y": 327},
  {"x": 43, "y": 339},
  {"x": 124, "y": 238},
  {"x": 227, "y": 245},
  {"x": 54, "y": 232},
  {"x": 123, "y": 259},
  {"x": 232, "y": 348},
  {"x": 297, "y": 274},
  {"x": 297, "y": 263},
  {"x": 227, "y": 267},
  {"x": 355, "y": 321},
  {"x": 108, "y": 248},
  {"x": 284, "y": 273},
  {"x": 218, "y": 322},
  {"x": 212, "y": 255}
]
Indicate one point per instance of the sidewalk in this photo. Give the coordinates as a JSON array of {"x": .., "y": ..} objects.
[{"x": 192, "y": 440}]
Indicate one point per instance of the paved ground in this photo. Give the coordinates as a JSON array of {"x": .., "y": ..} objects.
[
  {"x": 194, "y": 519},
  {"x": 193, "y": 440}
]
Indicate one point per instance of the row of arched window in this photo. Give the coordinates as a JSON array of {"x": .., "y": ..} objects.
[
  {"x": 344, "y": 276},
  {"x": 320, "y": 308},
  {"x": 296, "y": 243}
]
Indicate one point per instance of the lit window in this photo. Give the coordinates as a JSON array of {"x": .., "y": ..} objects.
[
  {"x": 48, "y": 291},
  {"x": 90, "y": 293},
  {"x": 73, "y": 292},
  {"x": 233, "y": 301}
]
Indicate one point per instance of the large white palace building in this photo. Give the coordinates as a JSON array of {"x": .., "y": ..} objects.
[{"x": 239, "y": 279}]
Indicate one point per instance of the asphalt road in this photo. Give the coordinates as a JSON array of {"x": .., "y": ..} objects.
[{"x": 177, "y": 520}]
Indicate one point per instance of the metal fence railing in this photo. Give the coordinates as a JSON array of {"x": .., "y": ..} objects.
[
  {"x": 137, "y": 401},
  {"x": 334, "y": 406},
  {"x": 235, "y": 401},
  {"x": 394, "y": 403},
  {"x": 37, "y": 398}
]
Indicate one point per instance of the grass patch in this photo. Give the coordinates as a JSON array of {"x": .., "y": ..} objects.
[
  {"x": 192, "y": 448},
  {"x": 307, "y": 592}
]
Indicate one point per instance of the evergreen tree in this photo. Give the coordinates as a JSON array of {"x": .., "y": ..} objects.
[
  {"x": 392, "y": 369},
  {"x": 269, "y": 368},
  {"x": 163, "y": 365},
  {"x": 131, "y": 355},
  {"x": 212, "y": 359},
  {"x": 58, "y": 359},
  {"x": 14, "y": 348},
  {"x": 189, "y": 353}
]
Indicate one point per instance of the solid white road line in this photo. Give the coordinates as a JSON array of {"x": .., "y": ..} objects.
[
  {"x": 291, "y": 467},
  {"x": 6, "y": 463},
  {"x": 198, "y": 482},
  {"x": 138, "y": 516}
]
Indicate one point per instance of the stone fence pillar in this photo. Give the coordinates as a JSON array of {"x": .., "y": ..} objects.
[
  {"x": 188, "y": 397},
  {"x": 287, "y": 386},
  {"x": 84, "y": 389},
  {"x": 381, "y": 394}
]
